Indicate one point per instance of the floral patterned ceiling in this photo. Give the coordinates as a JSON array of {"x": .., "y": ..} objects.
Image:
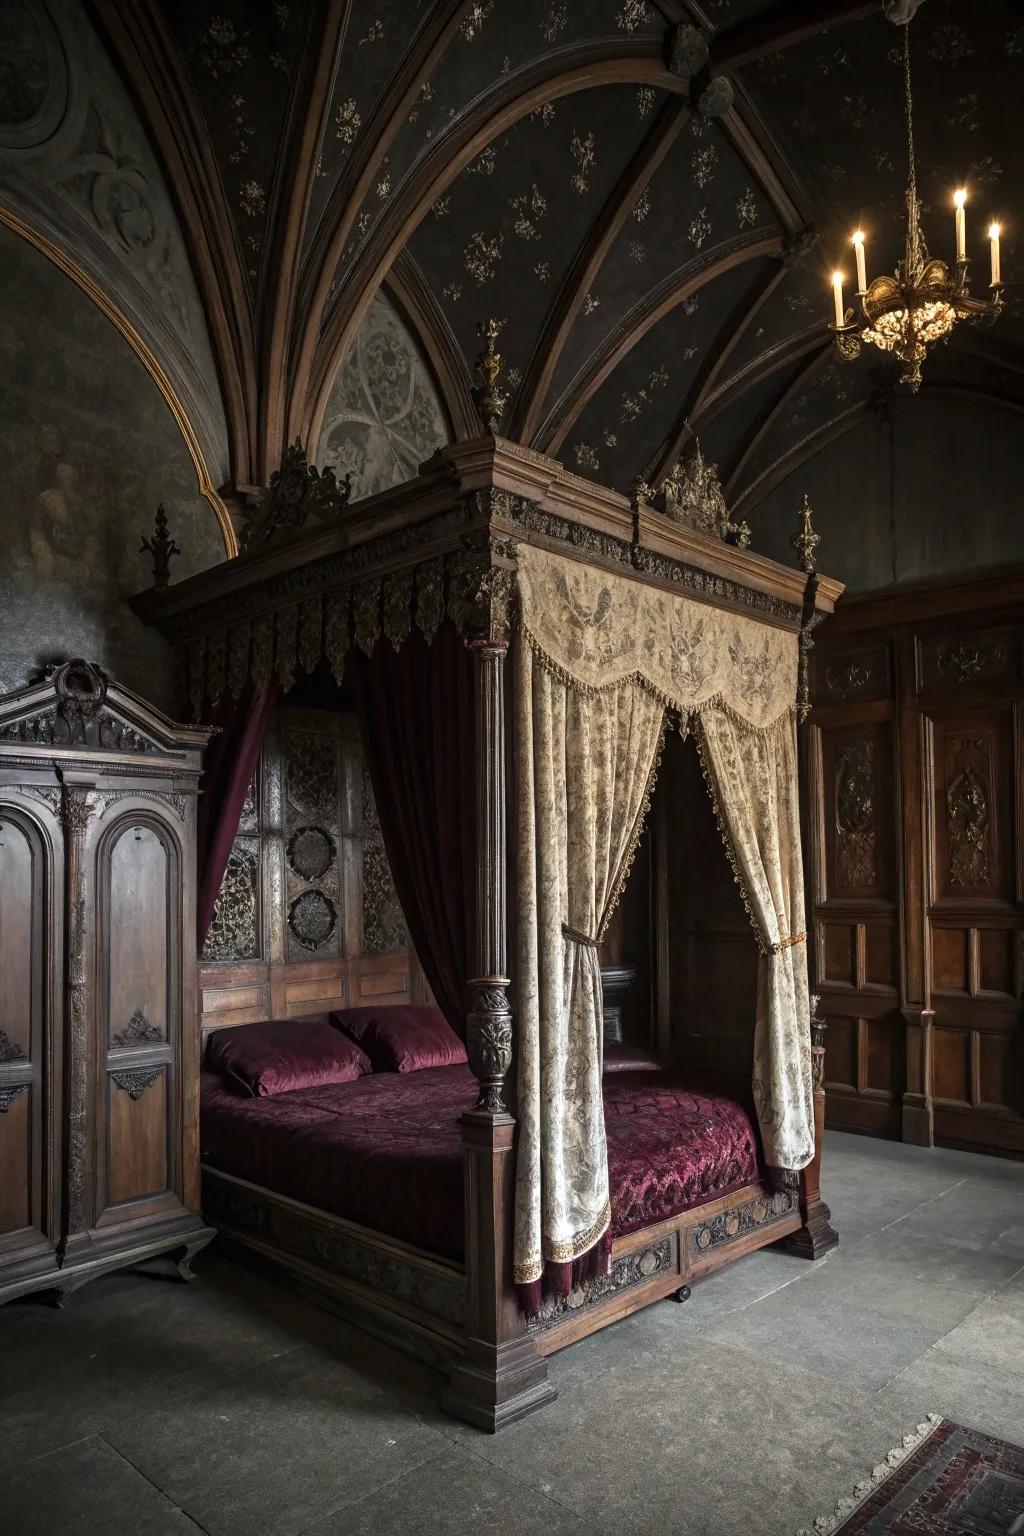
[{"x": 660, "y": 272}]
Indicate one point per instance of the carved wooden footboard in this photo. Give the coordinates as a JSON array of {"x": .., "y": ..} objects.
[{"x": 661, "y": 1260}]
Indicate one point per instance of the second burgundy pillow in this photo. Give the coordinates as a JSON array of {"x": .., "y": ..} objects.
[{"x": 402, "y": 1038}]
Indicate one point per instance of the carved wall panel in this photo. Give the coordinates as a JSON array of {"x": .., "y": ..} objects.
[
  {"x": 312, "y": 823},
  {"x": 235, "y": 932},
  {"x": 969, "y": 811},
  {"x": 973, "y": 777},
  {"x": 955, "y": 661},
  {"x": 307, "y": 918},
  {"x": 915, "y": 814},
  {"x": 384, "y": 927},
  {"x": 856, "y": 801}
]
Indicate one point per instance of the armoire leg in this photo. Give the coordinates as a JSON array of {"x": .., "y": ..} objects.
[{"x": 188, "y": 1251}]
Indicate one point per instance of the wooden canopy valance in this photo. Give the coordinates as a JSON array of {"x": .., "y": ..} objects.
[{"x": 441, "y": 544}]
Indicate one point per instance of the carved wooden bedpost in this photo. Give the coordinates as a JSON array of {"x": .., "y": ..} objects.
[
  {"x": 817, "y": 1234},
  {"x": 502, "y": 1377}
]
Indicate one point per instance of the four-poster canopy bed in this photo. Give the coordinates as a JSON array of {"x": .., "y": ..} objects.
[{"x": 517, "y": 641}]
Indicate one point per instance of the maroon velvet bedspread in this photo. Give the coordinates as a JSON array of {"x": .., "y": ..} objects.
[{"x": 386, "y": 1151}]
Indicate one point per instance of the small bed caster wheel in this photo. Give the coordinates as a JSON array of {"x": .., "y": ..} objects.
[{"x": 683, "y": 1294}]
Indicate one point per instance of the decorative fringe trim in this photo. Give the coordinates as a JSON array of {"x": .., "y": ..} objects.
[
  {"x": 633, "y": 842},
  {"x": 826, "y": 1524},
  {"x": 764, "y": 944},
  {"x": 564, "y": 1253},
  {"x": 715, "y": 702}
]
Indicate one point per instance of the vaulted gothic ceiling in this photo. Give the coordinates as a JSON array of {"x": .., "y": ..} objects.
[{"x": 660, "y": 264}]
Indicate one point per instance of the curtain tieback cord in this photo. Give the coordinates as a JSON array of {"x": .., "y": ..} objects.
[
  {"x": 794, "y": 938},
  {"x": 577, "y": 937}
]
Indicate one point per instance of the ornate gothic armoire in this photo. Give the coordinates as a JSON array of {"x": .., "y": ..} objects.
[{"x": 99, "y": 1038}]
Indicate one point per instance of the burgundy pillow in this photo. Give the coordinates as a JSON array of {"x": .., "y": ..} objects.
[
  {"x": 629, "y": 1058},
  {"x": 403, "y": 1039},
  {"x": 284, "y": 1054}
]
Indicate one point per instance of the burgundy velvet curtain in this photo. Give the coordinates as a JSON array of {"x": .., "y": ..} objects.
[
  {"x": 416, "y": 717},
  {"x": 228, "y": 765}
]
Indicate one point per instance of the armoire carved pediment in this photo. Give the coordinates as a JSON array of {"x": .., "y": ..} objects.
[{"x": 78, "y": 705}]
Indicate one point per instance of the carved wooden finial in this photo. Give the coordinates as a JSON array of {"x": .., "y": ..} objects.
[
  {"x": 490, "y": 401},
  {"x": 297, "y": 491},
  {"x": 805, "y": 541},
  {"x": 162, "y": 547}
]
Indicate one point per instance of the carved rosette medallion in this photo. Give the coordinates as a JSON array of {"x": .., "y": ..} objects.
[
  {"x": 856, "y": 816},
  {"x": 729, "y": 1226},
  {"x": 312, "y": 919},
  {"x": 626, "y": 1274},
  {"x": 311, "y": 852}
]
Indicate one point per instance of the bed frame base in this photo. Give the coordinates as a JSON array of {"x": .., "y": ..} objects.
[{"x": 495, "y": 1385}]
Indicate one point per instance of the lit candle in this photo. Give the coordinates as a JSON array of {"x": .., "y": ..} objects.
[
  {"x": 837, "y": 294},
  {"x": 862, "y": 274},
  {"x": 993, "y": 234},
  {"x": 959, "y": 198}
]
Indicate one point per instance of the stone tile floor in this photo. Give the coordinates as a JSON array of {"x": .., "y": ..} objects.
[{"x": 148, "y": 1408}]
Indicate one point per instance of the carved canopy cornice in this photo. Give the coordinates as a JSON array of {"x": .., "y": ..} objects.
[{"x": 412, "y": 554}]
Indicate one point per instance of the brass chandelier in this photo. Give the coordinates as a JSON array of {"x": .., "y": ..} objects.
[{"x": 909, "y": 312}]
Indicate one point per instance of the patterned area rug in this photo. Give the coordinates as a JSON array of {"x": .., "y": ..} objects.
[{"x": 943, "y": 1480}]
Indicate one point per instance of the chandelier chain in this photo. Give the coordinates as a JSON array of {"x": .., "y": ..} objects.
[{"x": 911, "y": 156}]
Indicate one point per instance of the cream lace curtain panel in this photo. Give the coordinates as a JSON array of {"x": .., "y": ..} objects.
[{"x": 600, "y": 659}]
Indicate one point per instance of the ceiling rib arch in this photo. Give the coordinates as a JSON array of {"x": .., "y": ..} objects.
[
  {"x": 635, "y": 325},
  {"x": 581, "y": 278},
  {"x": 540, "y": 83}
]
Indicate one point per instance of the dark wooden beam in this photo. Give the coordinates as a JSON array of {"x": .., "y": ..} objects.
[
  {"x": 346, "y": 200},
  {"x": 759, "y": 428},
  {"x": 653, "y": 307},
  {"x": 608, "y": 61},
  {"x": 805, "y": 449},
  {"x": 812, "y": 339},
  {"x": 418, "y": 303},
  {"x": 587, "y": 264},
  {"x": 784, "y": 27},
  {"x": 295, "y": 172},
  {"x": 728, "y": 339}
]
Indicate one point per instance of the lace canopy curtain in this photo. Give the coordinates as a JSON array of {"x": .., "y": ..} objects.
[
  {"x": 586, "y": 765},
  {"x": 600, "y": 659}
]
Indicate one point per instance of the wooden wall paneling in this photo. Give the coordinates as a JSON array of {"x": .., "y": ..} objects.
[
  {"x": 705, "y": 947},
  {"x": 955, "y": 682},
  {"x": 851, "y": 768}
]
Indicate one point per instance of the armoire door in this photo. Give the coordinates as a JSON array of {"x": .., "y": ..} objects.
[
  {"x": 137, "y": 1020},
  {"x": 30, "y": 874}
]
